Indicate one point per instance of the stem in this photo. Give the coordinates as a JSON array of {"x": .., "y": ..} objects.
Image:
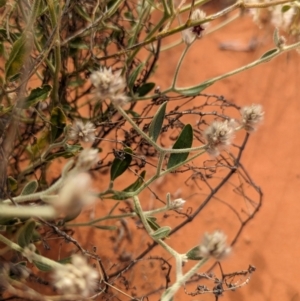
[
  {"x": 47, "y": 212},
  {"x": 57, "y": 51},
  {"x": 243, "y": 68},
  {"x": 42, "y": 159},
  {"x": 169, "y": 293},
  {"x": 118, "y": 217},
  {"x": 149, "y": 229},
  {"x": 179, "y": 65},
  {"x": 34, "y": 256}
]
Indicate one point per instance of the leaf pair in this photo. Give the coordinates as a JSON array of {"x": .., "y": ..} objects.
[{"x": 185, "y": 139}]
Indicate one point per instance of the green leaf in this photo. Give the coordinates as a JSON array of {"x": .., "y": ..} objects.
[
  {"x": 152, "y": 222},
  {"x": 185, "y": 140},
  {"x": 157, "y": 122},
  {"x": 58, "y": 122},
  {"x": 65, "y": 260},
  {"x": 135, "y": 73},
  {"x": 285, "y": 8},
  {"x": 195, "y": 90},
  {"x": 161, "y": 233},
  {"x": 118, "y": 195},
  {"x": 111, "y": 228},
  {"x": 137, "y": 184},
  {"x": 47, "y": 268},
  {"x": 82, "y": 12},
  {"x": 42, "y": 266},
  {"x": 145, "y": 89},
  {"x": 193, "y": 254},
  {"x": 78, "y": 44},
  {"x": 16, "y": 58},
  {"x": 12, "y": 184},
  {"x": 133, "y": 113},
  {"x": 7, "y": 220},
  {"x": 25, "y": 234},
  {"x": 269, "y": 53},
  {"x": 30, "y": 188},
  {"x": 36, "y": 149},
  {"x": 70, "y": 151},
  {"x": 119, "y": 165},
  {"x": 2, "y": 3},
  {"x": 37, "y": 95}
]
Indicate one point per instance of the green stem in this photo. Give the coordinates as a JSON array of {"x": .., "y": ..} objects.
[
  {"x": 34, "y": 256},
  {"x": 118, "y": 217},
  {"x": 241, "y": 69},
  {"x": 179, "y": 65},
  {"x": 47, "y": 212},
  {"x": 42, "y": 159},
  {"x": 52, "y": 5},
  {"x": 149, "y": 229},
  {"x": 170, "y": 292}
]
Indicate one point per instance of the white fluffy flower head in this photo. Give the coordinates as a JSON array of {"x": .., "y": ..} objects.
[
  {"x": 214, "y": 245},
  {"x": 82, "y": 131},
  {"x": 109, "y": 85},
  {"x": 76, "y": 191},
  {"x": 252, "y": 116},
  {"x": 178, "y": 203},
  {"x": 87, "y": 158},
  {"x": 196, "y": 31},
  {"x": 218, "y": 136},
  {"x": 77, "y": 278}
]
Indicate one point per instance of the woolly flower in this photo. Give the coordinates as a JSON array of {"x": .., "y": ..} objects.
[
  {"x": 178, "y": 203},
  {"x": 214, "y": 245},
  {"x": 82, "y": 131},
  {"x": 109, "y": 85},
  {"x": 75, "y": 192},
  {"x": 76, "y": 278},
  {"x": 218, "y": 136},
  {"x": 191, "y": 34},
  {"x": 251, "y": 117},
  {"x": 87, "y": 158},
  {"x": 282, "y": 19},
  {"x": 254, "y": 12}
]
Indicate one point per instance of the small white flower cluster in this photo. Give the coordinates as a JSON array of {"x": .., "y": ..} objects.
[
  {"x": 87, "y": 158},
  {"x": 82, "y": 131},
  {"x": 77, "y": 278},
  {"x": 110, "y": 86},
  {"x": 76, "y": 190},
  {"x": 218, "y": 136},
  {"x": 282, "y": 16},
  {"x": 196, "y": 32},
  {"x": 214, "y": 245},
  {"x": 282, "y": 19},
  {"x": 75, "y": 193},
  {"x": 178, "y": 204},
  {"x": 252, "y": 116}
]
